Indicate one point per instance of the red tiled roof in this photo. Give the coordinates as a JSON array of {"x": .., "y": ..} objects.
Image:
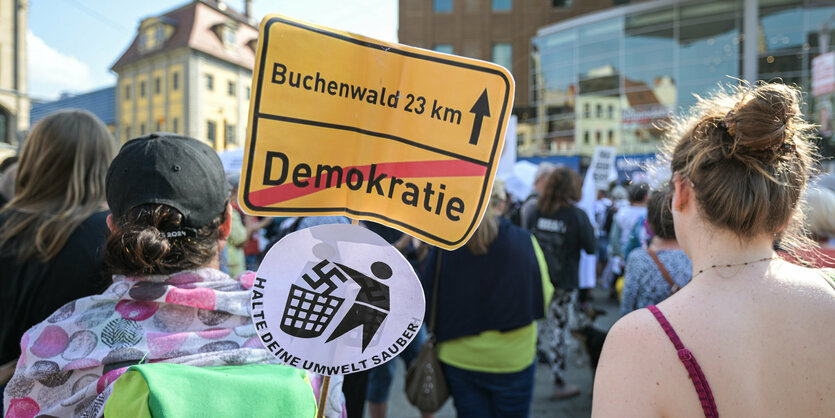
[
  {"x": 638, "y": 93},
  {"x": 193, "y": 25}
]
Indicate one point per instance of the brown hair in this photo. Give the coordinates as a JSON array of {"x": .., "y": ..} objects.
[
  {"x": 562, "y": 188},
  {"x": 139, "y": 245},
  {"x": 660, "y": 214},
  {"x": 488, "y": 230},
  {"x": 746, "y": 151},
  {"x": 59, "y": 183}
]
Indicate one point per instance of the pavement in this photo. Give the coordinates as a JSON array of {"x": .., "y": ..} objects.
[{"x": 578, "y": 372}]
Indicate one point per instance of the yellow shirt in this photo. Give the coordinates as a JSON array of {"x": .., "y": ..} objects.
[{"x": 495, "y": 351}]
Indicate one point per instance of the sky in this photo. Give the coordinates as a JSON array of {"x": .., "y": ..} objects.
[{"x": 72, "y": 43}]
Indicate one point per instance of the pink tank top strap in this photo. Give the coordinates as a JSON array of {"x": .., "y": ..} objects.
[{"x": 690, "y": 363}]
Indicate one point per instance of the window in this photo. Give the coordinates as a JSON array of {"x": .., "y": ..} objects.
[
  {"x": 586, "y": 137},
  {"x": 561, "y": 3},
  {"x": 159, "y": 126},
  {"x": 248, "y": 92},
  {"x": 211, "y": 132},
  {"x": 597, "y": 137},
  {"x": 230, "y": 88},
  {"x": 127, "y": 132},
  {"x": 210, "y": 82},
  {"x": 229, "y": 36},
  {"x": 143, "y": 41},
  {"x": 142, "y": 129},
  {"x": 587, "y": 110},
  {"x": 611, "y": 112},
  {"x": 599, "y": 112},
  {"x": 158, "y": 35},
  {"x": 141, "y": 89},
  {"x": 229, "y": 134},
  {"x": 175, "y": 125},
  {"x": 127, "y": 92},
  {"x": 157, "y": 87},
  {"x": 175, "y": 81},
  {"x": 445, "y": 48},
  {"x": 611, "y": 137},
  {"x": 503, "y": 55},
  {"x": 502, "y": 5},
  {"x": 442, "y": 6}
]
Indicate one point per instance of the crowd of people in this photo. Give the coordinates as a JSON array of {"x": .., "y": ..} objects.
[{"x": 113, "y": 262}]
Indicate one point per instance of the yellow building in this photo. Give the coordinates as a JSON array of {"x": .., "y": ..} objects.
[
  {"x": 188, "y": 71},
  {"x": 14, "y": 101}
]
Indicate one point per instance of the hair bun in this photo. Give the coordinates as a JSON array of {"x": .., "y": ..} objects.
[{"x": 762, "y": 124}]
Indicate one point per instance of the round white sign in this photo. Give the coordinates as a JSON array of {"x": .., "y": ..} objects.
[{"x": 336, "y": 299}]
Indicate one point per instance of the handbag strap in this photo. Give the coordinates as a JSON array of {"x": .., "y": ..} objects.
[
  {"x": 434, "y": 307},
  {"x": 661, "y": 267}
]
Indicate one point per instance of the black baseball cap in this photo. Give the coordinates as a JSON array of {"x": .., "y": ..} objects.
[{"x": 172, "y": 170}]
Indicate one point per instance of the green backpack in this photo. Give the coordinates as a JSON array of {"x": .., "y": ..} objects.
[{"x": 176, "y": 390}]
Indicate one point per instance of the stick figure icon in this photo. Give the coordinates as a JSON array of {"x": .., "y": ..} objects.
[{"x": 371, "y": 305}]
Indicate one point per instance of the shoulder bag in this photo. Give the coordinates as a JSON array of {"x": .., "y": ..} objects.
[
  {"x": 673, "y": 286},
  {"x": 426, "y": 387}
]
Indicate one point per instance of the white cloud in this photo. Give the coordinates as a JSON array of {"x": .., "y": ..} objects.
[{"x": 52, "y": 72}]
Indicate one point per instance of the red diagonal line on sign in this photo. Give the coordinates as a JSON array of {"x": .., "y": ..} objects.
[{"x": 401, "y": 170}]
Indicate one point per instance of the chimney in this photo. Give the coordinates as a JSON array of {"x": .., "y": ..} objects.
[{"x": 248, "y": 9}]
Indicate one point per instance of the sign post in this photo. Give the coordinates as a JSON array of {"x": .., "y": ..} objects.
[
  {"x": 600, "y": 173},
  {"x": 341, "y": 124}
]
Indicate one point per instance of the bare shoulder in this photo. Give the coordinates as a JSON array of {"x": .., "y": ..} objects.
[
  {"x": 813, "y": 285},
  {"x": 630, "y": 378}
]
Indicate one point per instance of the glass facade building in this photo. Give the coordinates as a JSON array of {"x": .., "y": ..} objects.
[{"x": 613, "y": 77}]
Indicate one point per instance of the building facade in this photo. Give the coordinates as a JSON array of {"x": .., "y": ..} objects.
[
  {"x": 14, "y": 100},
  {"x": 614, "y": 77},
  {"x": 493, "y": 30},
  {"x": 188, "y": 71}
]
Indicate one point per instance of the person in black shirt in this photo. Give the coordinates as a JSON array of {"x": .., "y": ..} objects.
[
  {"x": 562, "y": 230},
  {"x": 53, "y": 230}
]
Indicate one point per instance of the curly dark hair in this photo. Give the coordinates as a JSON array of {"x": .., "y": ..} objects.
[{"x": 139, "y": 246}]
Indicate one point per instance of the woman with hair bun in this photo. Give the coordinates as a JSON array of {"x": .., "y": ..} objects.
[
  {"x": 751, "y": 334},
  {"x": 168, "y": 301}
]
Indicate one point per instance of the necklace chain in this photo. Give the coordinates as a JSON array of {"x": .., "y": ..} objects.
[{"x": 773, "y": 257}]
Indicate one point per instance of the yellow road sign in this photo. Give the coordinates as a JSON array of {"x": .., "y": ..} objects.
[{"x": 341, "y": 124}]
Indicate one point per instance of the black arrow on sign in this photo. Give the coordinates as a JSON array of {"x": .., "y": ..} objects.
[{"x": 481, "y": 108}]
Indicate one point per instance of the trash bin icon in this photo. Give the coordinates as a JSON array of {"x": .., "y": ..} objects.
[{"x": 307, "y": 313}]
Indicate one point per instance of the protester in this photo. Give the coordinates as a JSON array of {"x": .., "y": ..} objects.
[
  {"x": 820, "y": 225},
  {"x": 644, "y": 283},
  {"x": 234, "y": 250},
  {"x": 252, "y": 247},
  {"x": 528, "y": 209},
  {"x": 627, "y": 229},
  {"x": 754, "y": 333},
  {"x": 168, "y": 302},
  {"x": 380, "y": 377},
  {"x": 53, "y": 229},
  {"x": 562, "y": 230},
  {"x": 602, "y": 207},
  {"x": 490, "y": 293},
  {"x": 627, "y": 217}
]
